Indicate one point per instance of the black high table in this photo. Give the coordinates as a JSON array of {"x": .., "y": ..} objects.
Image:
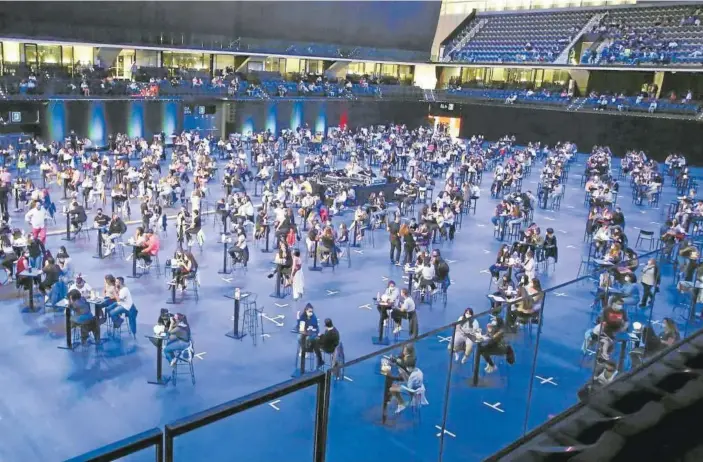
[
  {"x": 32, "y": 274},
  {"x": 158, "y": 342},
  {"x": 135, "y": 253},
  {"x": 267, "y": 234},
  {"x": 236, "y": 333},
  {"x": 69, "y": 337}
]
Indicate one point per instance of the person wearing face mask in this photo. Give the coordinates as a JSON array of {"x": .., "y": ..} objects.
[
  {"x": 309, "y": 330},
  {"x": 81, "y": 286},
  {"x": 386, "y": 301},
  {"x": 466, "y": 330},
  {"x": 650, "y": 280},
  {"x": 178, "y": 338}
]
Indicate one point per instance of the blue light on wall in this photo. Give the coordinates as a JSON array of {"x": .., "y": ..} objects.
[
  {"x": 248, "y": 125},
  {"x": 96, "y": 124},
  {"x": 135, "y": 120},
  {"x": 296, "y": 115},
  {"x": 321, "y": 121},
  {"x": 170, "y": 119},
  {"x": 271, "y": 117},
  {"x": 56, "y": 115}
]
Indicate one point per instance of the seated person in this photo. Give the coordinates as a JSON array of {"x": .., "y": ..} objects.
[
  {"x": 116, "y": 229},
  {"x": 495, "y": 345},
  {"x": 178, "y": 339},
  {"x": 81, "y": 286},
  {"x": 309, "y": 329},
  {"x": 414, "y": 385},
  {"x": 109, "y": 292},
  {"x": 426, "y": 276},
  {"x": 329, "y": 339},
  {"x": 52, "y": 273},
  {"x": 327, "y": 247},
  {"x": 194, "y": 228},
  {"x": 284, "y": 263},
  {"x": 22, "y": 266},
  {"x": 466, "y": 331},
  {"x": 77, "y": 216},
  {"x": 123, "y": 305},
  {"x": 63, "y": 259},
  {"x": 183, "y": 264},
  {"x": 101, "y": 220},
  {"x": 82, "y": 316},
  {"x": 387, "y": 301},
  {"x": 149, "y": 249},
  {"x": 406, "y": 310},
  {"x": 240, "y": 251}
]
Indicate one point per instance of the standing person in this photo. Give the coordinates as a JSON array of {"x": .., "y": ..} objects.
[
  {"x": 408, "y": 243},
  {"x": 394, "y": 235},
  {"x": 297, "y": 276},
  {"x": 651, "y": 278},
  {"x": 37, "y": 220},
  {"x": 4, "y": 199}
]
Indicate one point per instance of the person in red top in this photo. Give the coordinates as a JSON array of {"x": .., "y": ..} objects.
[
  {"x": 22, "y": 265},
  {"x": 151, "y": 247}
]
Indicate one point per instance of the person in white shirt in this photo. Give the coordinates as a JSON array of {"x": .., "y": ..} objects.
[
  {"x": 124, "y": 304},
  {"x": 81, "y": 286},
  {"x": 465, "y": 334},
  {"x": 387, "y": 301},
  {"x": 37, "y": 220},
  {"x": 406, "y": 310},
  {"x": 415, "y": 385},
  {"x": 427, "y": 275}
]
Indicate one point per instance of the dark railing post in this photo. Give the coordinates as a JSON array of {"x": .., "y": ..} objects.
[
  {"x": 322, "y": 413},
  {"x": 534, "y": 363},
  {"x": 168, "y": 444},
  {"x": 160, "y": 450},
  {"x": 447, "y": 392}
]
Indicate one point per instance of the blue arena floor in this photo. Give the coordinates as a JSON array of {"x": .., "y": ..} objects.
[{"x": 57, "y": 404}]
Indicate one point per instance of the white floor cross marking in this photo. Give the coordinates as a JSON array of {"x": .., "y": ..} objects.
[
  {"x": 485, "y": 272},
  {"x": 274, "y": 319},
  {"x": 560, "y": 294},
  {"x": 200, "y": 355},
  {"x": 549, "y": 380},
  {"x": 360, "y": 252},
  {"x": 332, "y": 292},
  {"x": 443, "y": 339},
  {"x": 495, "y": 406},
  {"x": 273, "y": 404},
  {"x": 365, "y": 307},
  {"x": 446, "y": 432},
  {"x": 281, "y": 305}
]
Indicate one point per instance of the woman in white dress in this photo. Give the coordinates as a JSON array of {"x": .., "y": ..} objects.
[{"x": 297, "y": 276}]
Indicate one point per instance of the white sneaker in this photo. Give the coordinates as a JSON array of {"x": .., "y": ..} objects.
[
  {"x": 401, "y": 408},
  {"x": 385, "y": 322},
  {"x": 397, "y": 330},
  {"x": 464, "y": 359},
  {"x": 456, "y": 356}
]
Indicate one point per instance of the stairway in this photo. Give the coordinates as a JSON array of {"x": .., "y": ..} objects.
[
  {"x": 563, "y": 57},
  {"x": 576, "y": 104},
  {"x": 472, "y": 33}
]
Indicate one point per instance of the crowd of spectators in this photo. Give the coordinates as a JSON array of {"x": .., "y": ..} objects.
[
  {"x": 91, "y": 81},
  {"x": 633, "y": 42},
  {"x": 643, "y": 101}
]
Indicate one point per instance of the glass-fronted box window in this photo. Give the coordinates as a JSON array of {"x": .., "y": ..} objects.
[{"x": 177, "y": 60}]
